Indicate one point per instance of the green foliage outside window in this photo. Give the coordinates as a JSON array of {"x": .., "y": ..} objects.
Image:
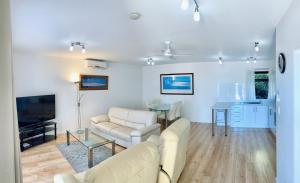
[{"x": 261, "y": 85}]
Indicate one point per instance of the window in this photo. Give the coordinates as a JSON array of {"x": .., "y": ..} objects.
[{"x": 261, "y": 84}]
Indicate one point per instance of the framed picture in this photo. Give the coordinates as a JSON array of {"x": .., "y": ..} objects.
[
  {"x": 93, "y": 82},
  {"x": 177, "y": 84}
]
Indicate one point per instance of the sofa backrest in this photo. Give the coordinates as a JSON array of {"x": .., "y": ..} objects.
[
  {"x": 174, "y": 144},
  {"x": 136, "y": 119},
  {"x": 118, "y": 115},
  {"x": 135, "y": 165}
]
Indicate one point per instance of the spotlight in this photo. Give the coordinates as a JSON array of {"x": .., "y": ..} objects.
[
  {"x": 185, "y": 4},
  {"x": 71, "y": 47},
  {"x": 197, "y": 15},
  {"x": 83, "y": 49},
  {"x": 78, "y": 44},
  {"x": 256, "y": 47},
  {"x": 220, "y": 60}
]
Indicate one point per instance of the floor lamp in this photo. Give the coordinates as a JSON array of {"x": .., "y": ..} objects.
[{"x": 78, "y": 101}]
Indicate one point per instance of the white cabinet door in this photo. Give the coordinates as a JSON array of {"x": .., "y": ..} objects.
[
  {"x": 236, "y": 116},
  {"x": 249, "y": 115},
  {"x": 261, "y": 116}
]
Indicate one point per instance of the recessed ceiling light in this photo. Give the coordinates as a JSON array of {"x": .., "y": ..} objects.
[{"x": 135, "y": 16}]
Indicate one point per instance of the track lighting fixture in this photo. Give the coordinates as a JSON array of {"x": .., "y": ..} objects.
[
  {"x": 73, "y": 44},
  {"x": 150, "y": 61},
  {"x": 83, "y": 49},
  {"x": 256, "y": 46},
  {"x": 254, "y": 59},
  {"x": 184, "y": 4},
  {"x": 220, "y": 60},
  {"x": 197, "y": 14}
]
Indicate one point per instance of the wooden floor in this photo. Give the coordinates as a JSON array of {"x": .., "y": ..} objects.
[{"x": 244, "y": 156}]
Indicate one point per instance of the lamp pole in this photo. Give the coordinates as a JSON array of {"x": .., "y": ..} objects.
[{"x": 78, "y": 100}]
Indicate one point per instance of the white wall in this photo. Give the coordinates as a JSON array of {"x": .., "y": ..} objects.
[
  {"x": 288, "y": 126},
  {"x": 37, "y": 75},
  {"x": 207, "y": 77},
  {"x": 9, "y": 159}
]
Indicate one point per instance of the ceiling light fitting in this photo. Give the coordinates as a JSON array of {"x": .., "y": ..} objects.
[
  {"x": 74, "y": 44},
  {"x": 184, "y": 4},
  {"x": 150, "y": 61},
  {"x": 135, "y": 15},
  {"x": 256, "y": 46},
  {"x": 248, "y": 60},
  {"x": 220, "y": 60},
  {"x": 254, "y": 59},
  {"x": 197, "y": 15}
]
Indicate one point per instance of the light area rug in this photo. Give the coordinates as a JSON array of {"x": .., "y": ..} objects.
[{"x": 77, "y": 154}]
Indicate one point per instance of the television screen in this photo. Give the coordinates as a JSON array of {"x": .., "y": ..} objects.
[{"x": 35, "y": 109}]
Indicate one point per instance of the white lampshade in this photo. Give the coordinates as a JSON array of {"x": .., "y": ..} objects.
[{"x": 75, "y": 77}]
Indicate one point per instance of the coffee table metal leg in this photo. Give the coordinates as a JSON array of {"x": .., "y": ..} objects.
[
  {"x": 68, "y": 138},
  {"x": 213, "y": 122},
  {"x": 226, "y": 125},
  {"x": 113, "y": 151},
  {"x": 90, "y": 157},
  {"x": 166, "y": 119}
]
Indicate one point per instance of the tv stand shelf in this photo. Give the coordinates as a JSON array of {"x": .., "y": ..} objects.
[{"x": 37, "y": 134}]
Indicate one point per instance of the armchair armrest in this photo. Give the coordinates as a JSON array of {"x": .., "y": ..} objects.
[
  {"x": 141, "y": 132},
  {"x": 100, "y": 118},
  {"x": 65, "y": 178}
]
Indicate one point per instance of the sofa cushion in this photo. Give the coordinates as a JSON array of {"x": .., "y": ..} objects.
[
  {"x": 140, "y": 119},
  {"x": 118, "y": 115},
  {"x": 122, "y": 132},
  {"x": 100, "y": 118},
  {"x": 106, "y": 127}
]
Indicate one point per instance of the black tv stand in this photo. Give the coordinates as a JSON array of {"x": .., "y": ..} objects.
[{"x": 33, "y": 135}]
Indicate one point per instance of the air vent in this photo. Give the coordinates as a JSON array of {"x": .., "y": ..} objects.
[{"x": 96, "y": 63}]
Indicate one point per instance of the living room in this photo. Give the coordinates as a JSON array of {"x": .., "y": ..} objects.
[{"x": 217, "y": 63}]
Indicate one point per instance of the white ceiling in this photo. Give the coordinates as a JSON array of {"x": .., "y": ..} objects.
[{"x": 228, "y": 28}]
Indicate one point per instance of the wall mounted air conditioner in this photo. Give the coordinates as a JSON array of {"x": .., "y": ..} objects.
[{"x": 96, "y": 63}]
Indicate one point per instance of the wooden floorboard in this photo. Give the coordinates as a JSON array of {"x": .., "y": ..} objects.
[{"x": 245, "y": 156}]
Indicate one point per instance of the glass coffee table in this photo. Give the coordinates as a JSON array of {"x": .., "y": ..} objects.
[{"x": 90, "y": 140}]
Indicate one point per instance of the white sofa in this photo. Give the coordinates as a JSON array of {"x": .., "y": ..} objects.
[
  {"x": 138, "y": 164},
  {"x": 127, "y": 127},
  {"x": 141, "y": 163}
]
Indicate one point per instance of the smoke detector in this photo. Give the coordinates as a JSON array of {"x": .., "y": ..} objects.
[{"x": 135, "y": 15}]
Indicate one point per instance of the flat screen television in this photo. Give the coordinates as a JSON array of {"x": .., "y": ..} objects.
[{"x": 35, "y": 109}]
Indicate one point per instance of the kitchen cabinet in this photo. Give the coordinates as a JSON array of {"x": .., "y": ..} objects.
[{"x": 249, "y": 116}]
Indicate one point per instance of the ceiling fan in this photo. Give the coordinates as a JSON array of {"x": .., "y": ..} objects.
[{"x": 169, "y": 52}]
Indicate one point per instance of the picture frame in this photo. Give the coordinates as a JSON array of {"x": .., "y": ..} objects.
[
  {"x": 93, "y": 82},
  {"x": 177, "y": 84}
]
